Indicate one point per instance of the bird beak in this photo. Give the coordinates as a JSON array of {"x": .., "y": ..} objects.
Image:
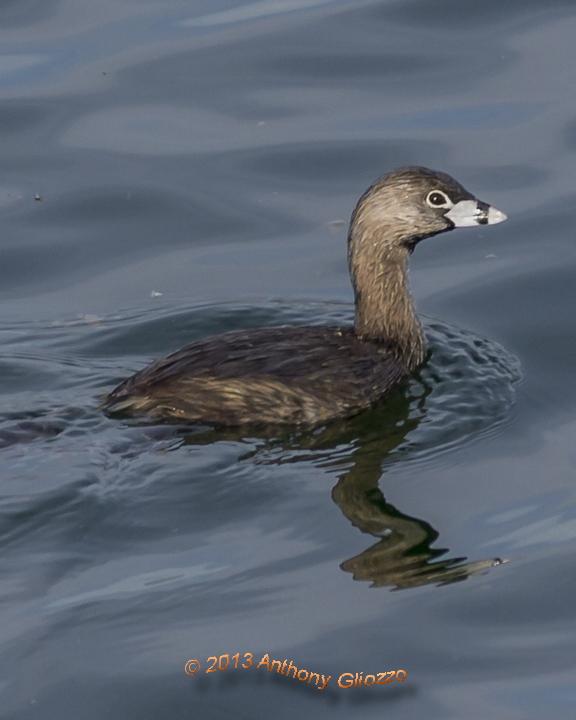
[{"x": 467, "y": 213}]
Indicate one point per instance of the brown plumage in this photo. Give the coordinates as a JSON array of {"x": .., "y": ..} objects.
[{"x": 309, "y": 375}]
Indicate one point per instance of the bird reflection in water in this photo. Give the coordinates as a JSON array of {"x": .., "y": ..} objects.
[{"x": 403, "y": 556}]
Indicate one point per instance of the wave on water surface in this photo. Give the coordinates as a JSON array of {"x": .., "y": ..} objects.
[{"x": 466, "y": 387}]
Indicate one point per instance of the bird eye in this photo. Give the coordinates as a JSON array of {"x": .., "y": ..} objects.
[{"x": 438, "y": 199}]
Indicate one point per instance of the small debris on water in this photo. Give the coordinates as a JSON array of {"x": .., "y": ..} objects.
[
  {"x": 336, "y": 224},
  {"x": 90, "y": 319},
  {"x": 156, "y": 293},
  {"x": 38, "y": 198}
]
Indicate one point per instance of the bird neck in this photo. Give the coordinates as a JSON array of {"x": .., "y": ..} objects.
[{"x": 384, "y": 307}]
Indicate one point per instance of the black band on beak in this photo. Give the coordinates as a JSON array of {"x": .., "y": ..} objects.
[{"x": 483, "y": 212}]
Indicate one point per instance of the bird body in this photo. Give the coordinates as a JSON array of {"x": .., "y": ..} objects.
[{"x": 292, "y": 375}]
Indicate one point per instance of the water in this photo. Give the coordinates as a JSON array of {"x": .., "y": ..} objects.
[{"x": 194, "y": 166}]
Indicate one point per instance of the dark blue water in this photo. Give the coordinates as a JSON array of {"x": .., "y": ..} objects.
[{"x": 171, "y": 170}]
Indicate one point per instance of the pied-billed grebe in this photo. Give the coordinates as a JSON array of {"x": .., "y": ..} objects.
[{"x": 308, "y": 375}]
